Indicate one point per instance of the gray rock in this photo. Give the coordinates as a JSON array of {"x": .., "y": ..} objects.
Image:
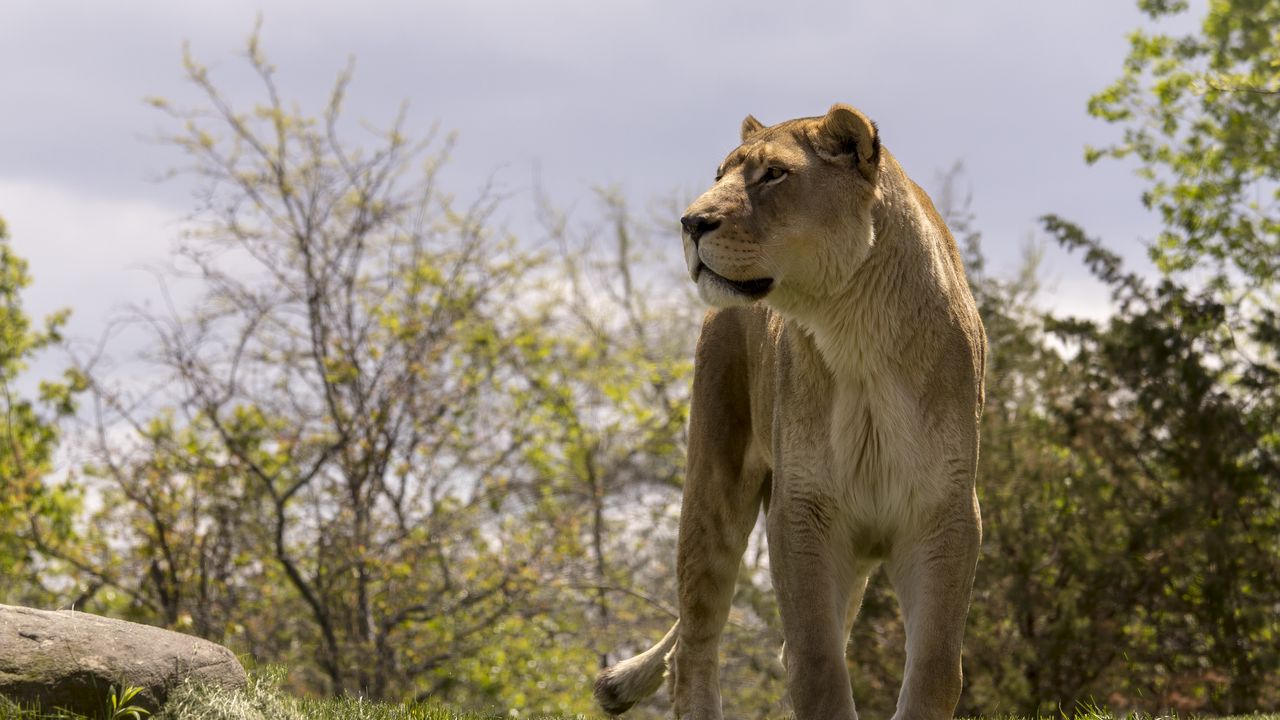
[{"x": 72, "y": 659}]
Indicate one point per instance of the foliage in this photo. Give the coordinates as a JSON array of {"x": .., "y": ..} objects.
[
  {"x": 1200, "y": 116},
  {"x": 1130, "y": 500},
  {"x": 1129, "y": 468},
  {"x": 120, "y": 705},
  {"x": 29, "y": 436},
  {"x": 1184, "y": 382},
  {"x": 600, "y": 382},
  {"x": 316, "y": 473},
  {"x": 1187, "y": 448}
]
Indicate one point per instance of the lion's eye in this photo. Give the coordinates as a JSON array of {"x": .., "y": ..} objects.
[{"x": 773, "y": 174}]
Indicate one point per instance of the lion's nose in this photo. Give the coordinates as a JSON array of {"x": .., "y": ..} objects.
[{"x": 698, "y": 225}]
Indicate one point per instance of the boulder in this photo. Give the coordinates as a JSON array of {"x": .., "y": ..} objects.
[{"x": 72, "y": 659}]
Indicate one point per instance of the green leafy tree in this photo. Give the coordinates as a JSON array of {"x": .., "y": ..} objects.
[
  {"x": 31, "y": 504},
  {"x": 1201, "y": 115},
  {"x": 1187, "y": 451},
  {"x": 314, "y": 467},
  {"x": 1165, "y": 418}
]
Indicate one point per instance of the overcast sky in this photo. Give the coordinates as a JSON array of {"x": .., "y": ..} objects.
[{"x": 644, "y": 95}]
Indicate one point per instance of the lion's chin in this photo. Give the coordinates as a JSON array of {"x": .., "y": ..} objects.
[{"x": 720, "y": 291}]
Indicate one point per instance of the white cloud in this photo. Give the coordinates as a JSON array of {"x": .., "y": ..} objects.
[{"x": 85, "y": 251}]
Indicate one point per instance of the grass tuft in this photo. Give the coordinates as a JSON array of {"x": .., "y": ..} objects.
[{"x": 259, "y": 700}]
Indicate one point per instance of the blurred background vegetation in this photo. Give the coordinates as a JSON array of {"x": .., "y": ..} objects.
[{"x": 412, "y": 456}]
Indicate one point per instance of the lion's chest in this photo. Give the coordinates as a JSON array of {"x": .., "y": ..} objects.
[
  {"x": 882, "y": 462},
  {"x": 856, "y": 436}
]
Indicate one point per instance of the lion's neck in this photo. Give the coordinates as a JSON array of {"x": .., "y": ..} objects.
[{"x": 888, "y": 316}]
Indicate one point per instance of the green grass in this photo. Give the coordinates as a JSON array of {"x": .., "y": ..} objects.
[
  {"x": 260, "y": 700},
  {"x": 263, "y": 700}
]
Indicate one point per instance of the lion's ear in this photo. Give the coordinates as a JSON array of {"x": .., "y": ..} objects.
[
  {"x": 751, "y": 126},
  {"x": 844, "y": 131}
]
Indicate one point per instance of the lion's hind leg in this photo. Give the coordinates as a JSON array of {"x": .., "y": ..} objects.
[{"x": 726, "y": 480}]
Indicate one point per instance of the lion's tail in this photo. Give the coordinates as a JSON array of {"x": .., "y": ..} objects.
[{"x": 624, "y": 684}]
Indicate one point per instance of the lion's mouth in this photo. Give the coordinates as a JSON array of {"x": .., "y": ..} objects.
[{"x": 754, "y": 289}]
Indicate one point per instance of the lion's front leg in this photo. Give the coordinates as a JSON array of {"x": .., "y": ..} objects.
[
  {"x": 815, "y": 573},
  {"x": 813, "y": 599}
]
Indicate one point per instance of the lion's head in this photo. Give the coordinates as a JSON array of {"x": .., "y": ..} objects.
[{"x": 789, "y": 215}]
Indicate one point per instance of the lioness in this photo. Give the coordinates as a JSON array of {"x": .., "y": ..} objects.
[{"x": 839, "y": 382}]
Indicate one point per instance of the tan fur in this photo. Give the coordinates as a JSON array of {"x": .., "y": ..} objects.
[{"x": 840, "y": 384}]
